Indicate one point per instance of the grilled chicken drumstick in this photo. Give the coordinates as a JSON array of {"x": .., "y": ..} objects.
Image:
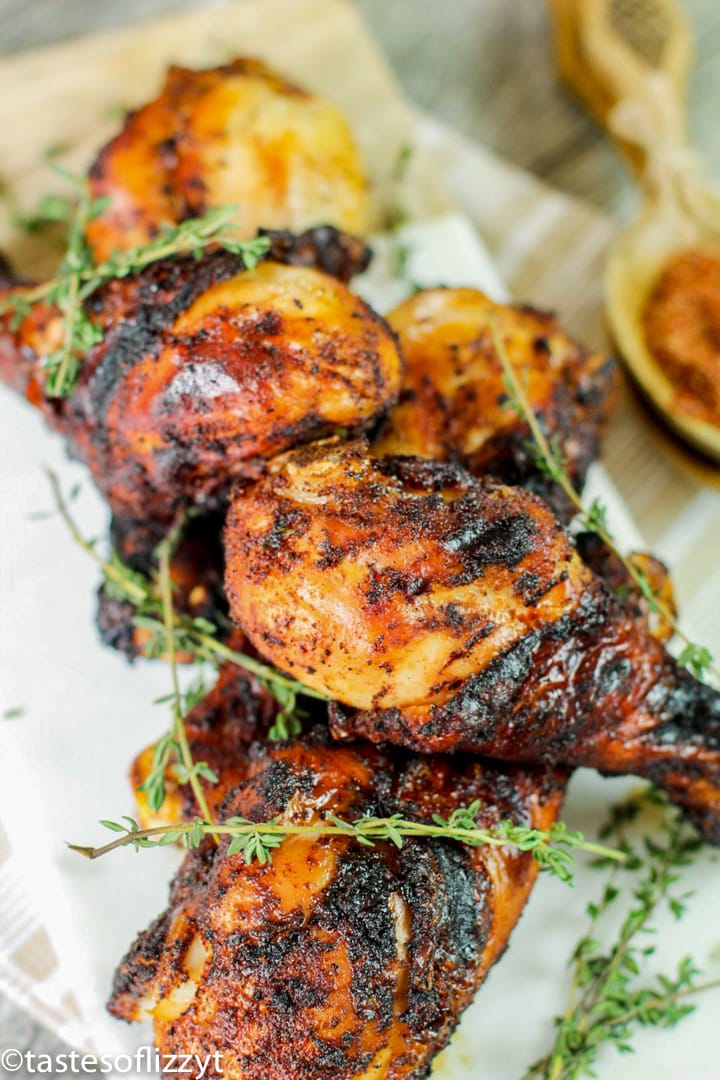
[
  {"x": 454, "y": 404},
  {"x": 206, "y": 369},
  {"x": 445, "y": 613},
  {"x": 411, "y": 590},
  {"x": 238, "y": 135},
  {"x": 335, "y": 960}
]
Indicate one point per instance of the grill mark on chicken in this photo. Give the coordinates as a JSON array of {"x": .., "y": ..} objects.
[{"x": 482, "y": 544}]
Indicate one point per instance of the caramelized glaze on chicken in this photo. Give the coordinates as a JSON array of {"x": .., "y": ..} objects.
[
  {"x": 336, "y": 961},
  {"x": 454, "y": 405},
  {"x": 445, "y": 613},
  {"x": 237, "y": 135},
  {"x": 206, "y": 369}
]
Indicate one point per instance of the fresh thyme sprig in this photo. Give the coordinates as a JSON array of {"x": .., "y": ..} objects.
[
  {"x": 79, "y": 276},
  {"x": 551, "y": 848},
  {"x": 167, "y": 752},
  {"x": 187, "y": 771},
  {"x": 79, "y": 334},
  {"x": 593, "y": 517},
  {"x": 183, "y": 632},
  {"x": 606, "y": 1004}
]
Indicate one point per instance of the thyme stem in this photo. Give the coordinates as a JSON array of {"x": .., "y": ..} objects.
[
  {"x": 110, "y": 571},
  {"x": 220, "y": 651},
  {"x": 178, "y": 720},
  {"x": 59, "y": 376},
  {"x": 663, "y": 1001},
  {"x": 367, "y": 830}
]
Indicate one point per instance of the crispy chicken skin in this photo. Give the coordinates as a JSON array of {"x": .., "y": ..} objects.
[
  {"x": 237, "y": 135},
  {"x": 207, "y": 369},
  {"x": 454, "y": 406},
  {"x": 336, "y": 961},
  {"x": 446, "y": 613}
]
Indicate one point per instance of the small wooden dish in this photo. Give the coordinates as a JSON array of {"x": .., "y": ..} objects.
[{"x": 627, "y": 60}]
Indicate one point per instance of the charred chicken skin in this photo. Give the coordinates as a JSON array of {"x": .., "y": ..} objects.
[
  {"x": 335, "y": 960},
  {"x": 445, "y": 613},
  {"x": 454, "y": 404},
  {"x": 237, "y": 135},
  {"x": 206, "y": 369}
]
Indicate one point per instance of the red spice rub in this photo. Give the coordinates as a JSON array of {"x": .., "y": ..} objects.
[{"x": 682, "y": 329}]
